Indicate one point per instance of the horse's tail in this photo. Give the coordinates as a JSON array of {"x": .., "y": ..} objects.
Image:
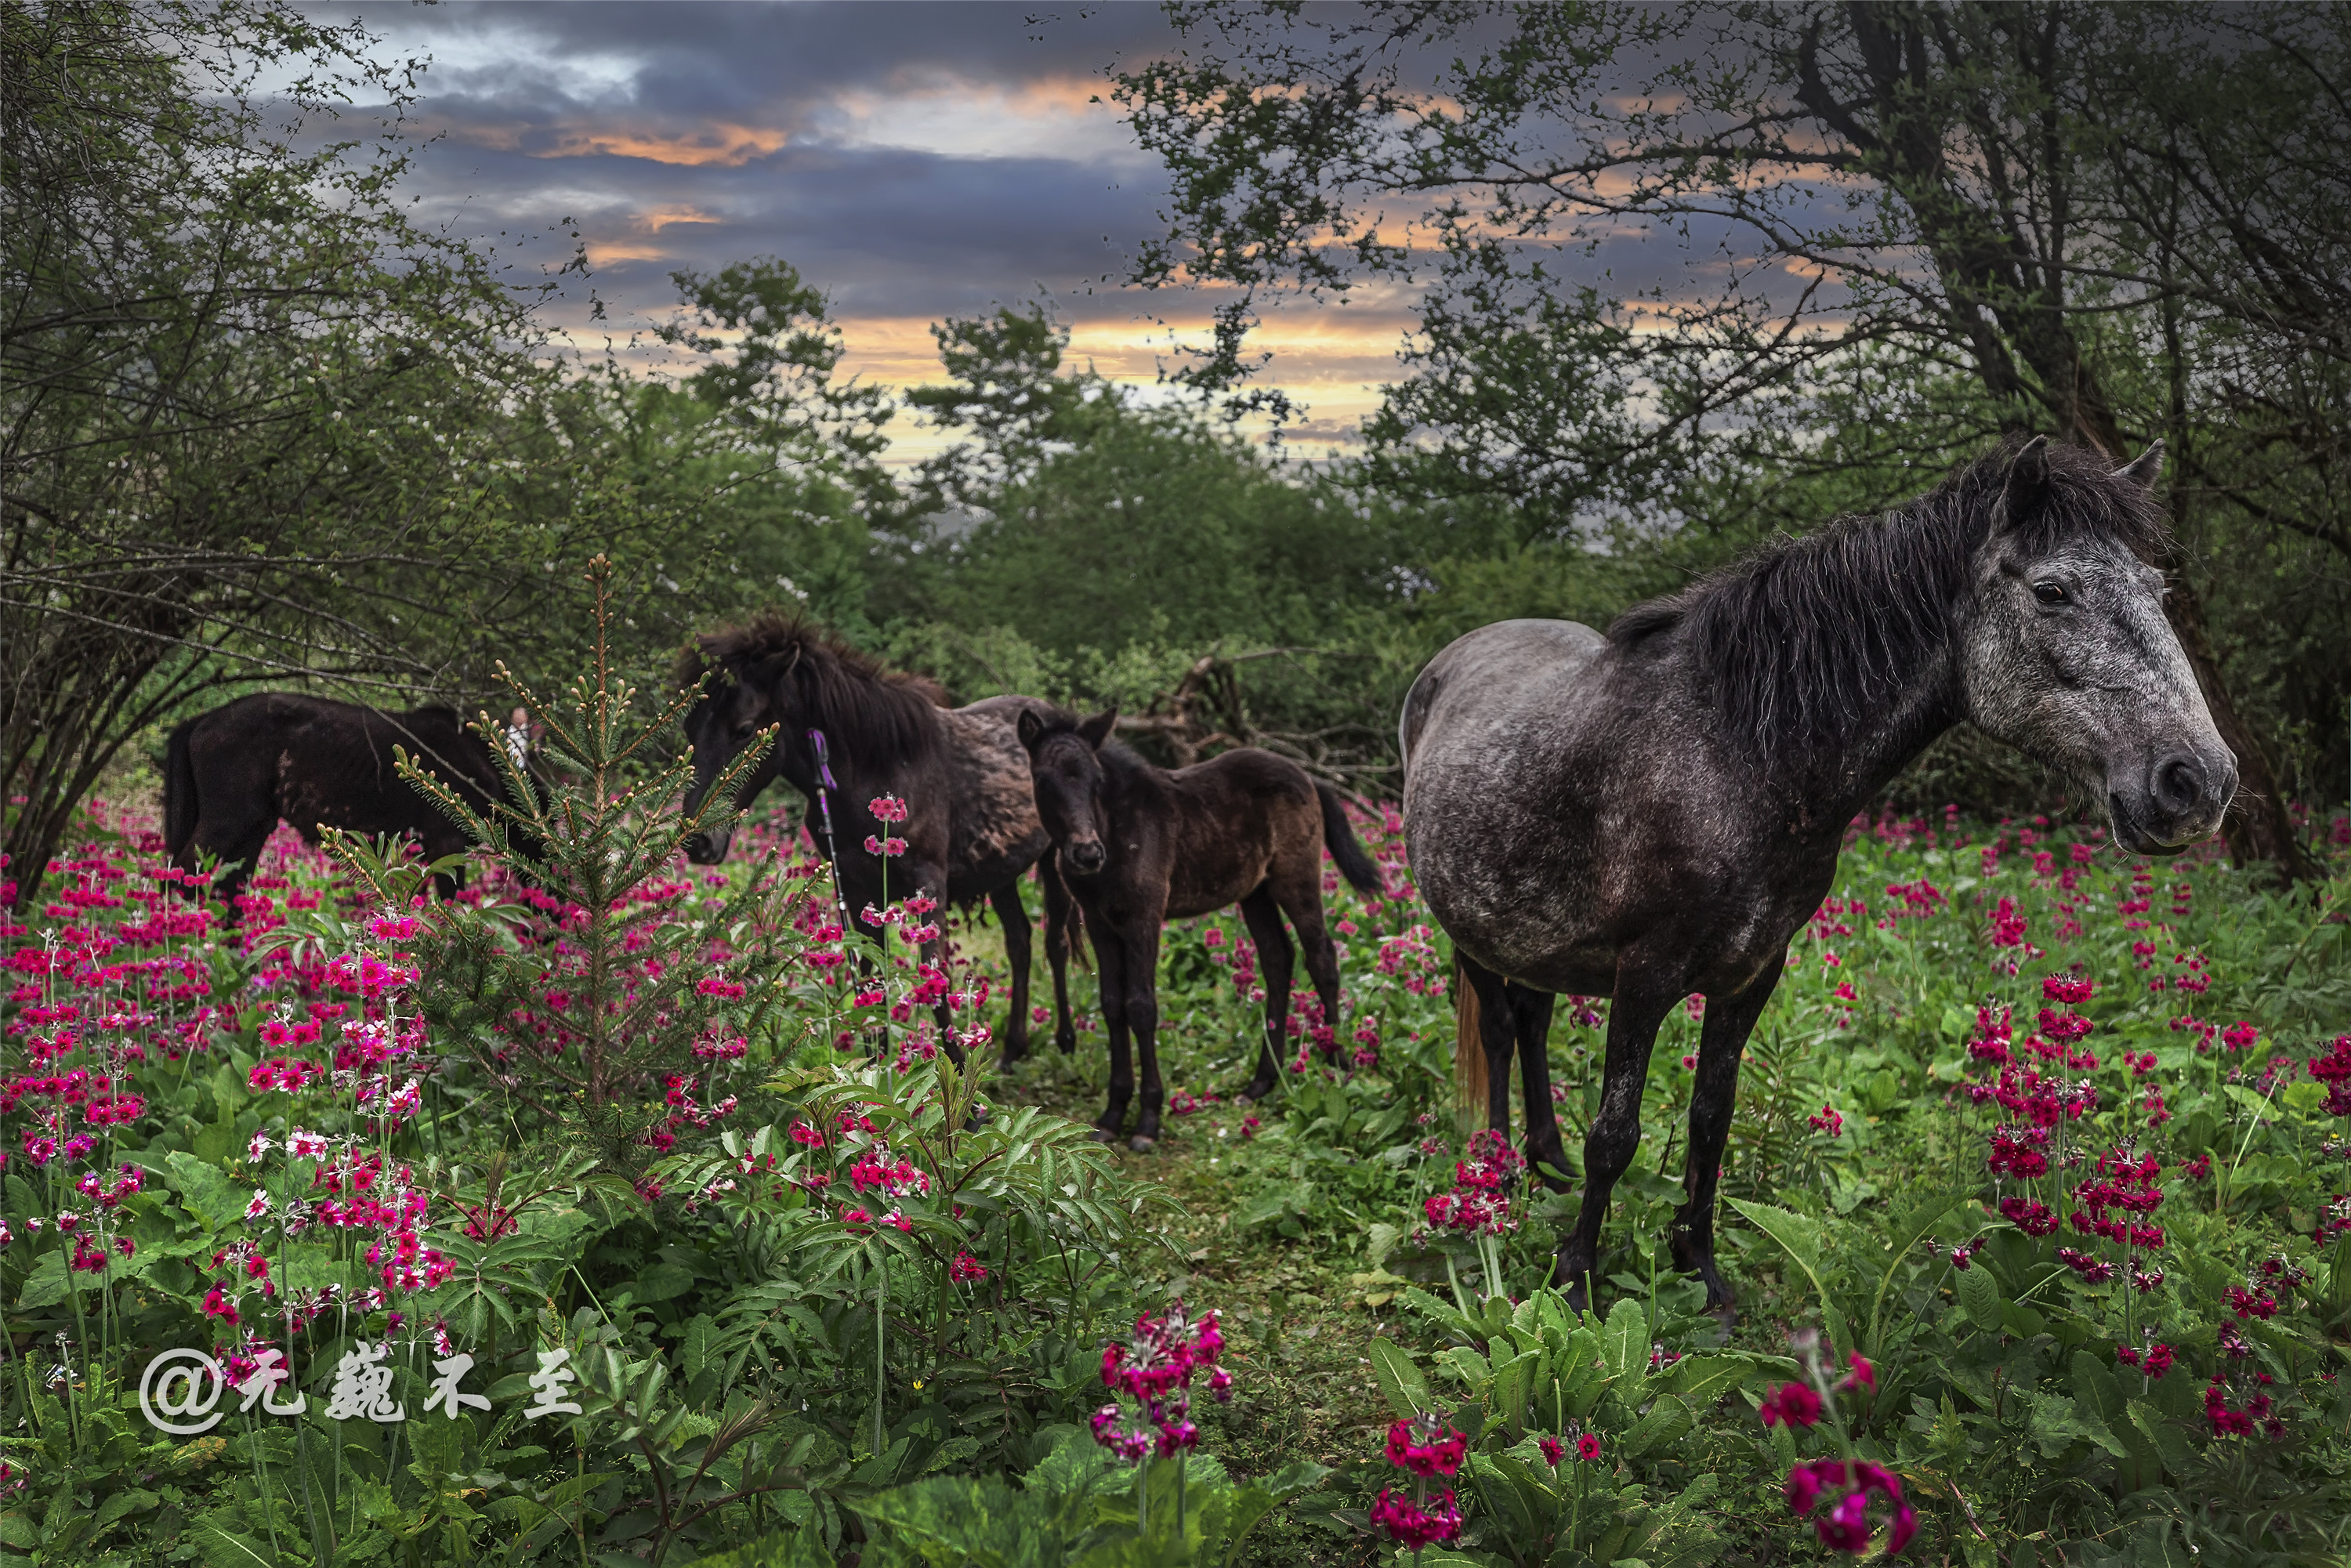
[
  {"x": 179, "y": 792},
  {"x": 1072, "y": 914},
  {"x": 1339, "y": 837},
  {"x": 1469, "y": 1046}
]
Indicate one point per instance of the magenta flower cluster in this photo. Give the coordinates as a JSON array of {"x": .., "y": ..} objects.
[
  {"x": 1845, "y": 1526},
  {"x": 1156, "y": 1372},
  {"x": 1426, "y": 1448},
  {"x": 1479, "y": 1202}
]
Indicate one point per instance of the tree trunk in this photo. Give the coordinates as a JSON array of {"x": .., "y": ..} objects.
[{"x": 2257, "y": 826}]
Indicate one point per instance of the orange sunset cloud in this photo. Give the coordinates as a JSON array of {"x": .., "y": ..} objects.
[{"x": 728, "y": 146}]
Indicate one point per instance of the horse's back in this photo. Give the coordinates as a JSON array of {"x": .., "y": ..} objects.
[
  {"x": 315, "y": 760},
  {"x": 1510, "y": 783},
  {"x": 1242, "y": 818},
  {"x": 994, "y": 832},
  {"x": 1246, "y": 770},
  {"x": 1493, "y": 676}
]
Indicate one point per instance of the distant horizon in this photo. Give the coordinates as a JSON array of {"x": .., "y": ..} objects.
[{"x": 914, "y": 160}]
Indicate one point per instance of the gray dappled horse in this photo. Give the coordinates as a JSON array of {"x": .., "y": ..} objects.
[{"x": 1658, "y": 811}]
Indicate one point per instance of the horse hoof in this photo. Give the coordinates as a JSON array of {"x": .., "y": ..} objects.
[
  {"x": 1141, "y": 1144},
  {"x": 1256, "y": 1092},
  {"x": 1068, "y": 1042}
]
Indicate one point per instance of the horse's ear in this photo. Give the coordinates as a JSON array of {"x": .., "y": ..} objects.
[
  {"x": 2028, "y": 482},
  {"x": 1031, "y": 728},
  {"x": 1097, "y": 730},
  {"x": 2146, "y": 468}
]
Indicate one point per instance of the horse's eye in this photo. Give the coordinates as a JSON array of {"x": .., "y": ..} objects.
[{"x": 2049, "y": 593}]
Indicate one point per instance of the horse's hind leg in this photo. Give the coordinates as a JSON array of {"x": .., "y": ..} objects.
[
  {"x": 1643, "y": 996},
  {"x": 1728, "y": 1022},
  {"x": 1012, "y": 917},
  {"x": 1273, "y": 961},
  {"x": 1300, "y": 898},
  {"x": 1530, "y": 1022}
]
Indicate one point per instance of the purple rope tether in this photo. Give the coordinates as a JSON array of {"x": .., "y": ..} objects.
[{"x": 824, "y": 782}]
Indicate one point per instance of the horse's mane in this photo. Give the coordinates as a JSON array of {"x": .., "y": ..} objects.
[
  {"x": 868, "y": 712},
  {"x": 1801, "y": 638}
]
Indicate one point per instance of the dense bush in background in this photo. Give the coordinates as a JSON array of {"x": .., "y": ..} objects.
[{"x": 381, "y": 476}]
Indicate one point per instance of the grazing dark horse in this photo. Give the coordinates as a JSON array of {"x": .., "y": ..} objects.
[
  {"x": 230, "y": 775},
  {"x": 1140, "y": 846},
  {"x": 971, "y": 827},
  {"x": 1657, "y": 812}
]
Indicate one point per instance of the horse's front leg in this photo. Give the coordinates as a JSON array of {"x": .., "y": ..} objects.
[
  {"x": 1142, "y": 966},
  {"x": 1109, "y": 968},
  {"x": 1012, "y": 917},
  {"x": 1721, "y": 1041},
  {"x": 1060, "y": 922},
  {"x": 1644, "y": 994}
]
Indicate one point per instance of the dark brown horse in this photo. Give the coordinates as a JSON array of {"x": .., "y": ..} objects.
[
  {"x": 971, "y": 827},
  {"x": 231, "y": 775},
  {"x": 1140, "y": 846},
  {"x": 1657, "y": 812}
]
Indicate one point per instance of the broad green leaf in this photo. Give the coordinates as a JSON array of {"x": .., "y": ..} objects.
[
  {"x": 974, "y": 1520},
  {"x": 2059, "y": 1420},
  {"x": 2094, "y": 1387},
  {"x": 2171, "y": 1443},
  {"x": 47, "y": 1285},
  {"x": 1979, "y": 1295},
  {"x": 1799, "y": 1236},
  {"x": 1250, "y": 1504},
  {"x": 226, "y": 1548},
  {"x": 1907, "y": 1232},
  {"x": 789, "y": 1549},
  {"x": 1665, "y": 1423},
  {"x": 1704, "y": 1378},
  {"x": 1400, "y": 1380},
  {"x": 125, "y": 1502},
  {"x": 698, "y": 1346},
  {"x": 1624, "y": 1339}
]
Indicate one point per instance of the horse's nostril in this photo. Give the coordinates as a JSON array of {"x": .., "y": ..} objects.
[{"x": 2179, "y": 784}]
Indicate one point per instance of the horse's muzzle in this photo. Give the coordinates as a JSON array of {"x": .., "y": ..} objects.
[
  {"x": 706, "y": 848},
  {"x": 2181, "y": 800},
  {"x": 1086, "y": 857}
]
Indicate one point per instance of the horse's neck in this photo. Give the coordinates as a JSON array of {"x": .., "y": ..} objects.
[
  {"x": 1835, "y": 781},
  {"x": 1131, "y": 784}
]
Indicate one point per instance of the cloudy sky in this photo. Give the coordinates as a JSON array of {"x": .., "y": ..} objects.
[{"x": 914, "y": 160}]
